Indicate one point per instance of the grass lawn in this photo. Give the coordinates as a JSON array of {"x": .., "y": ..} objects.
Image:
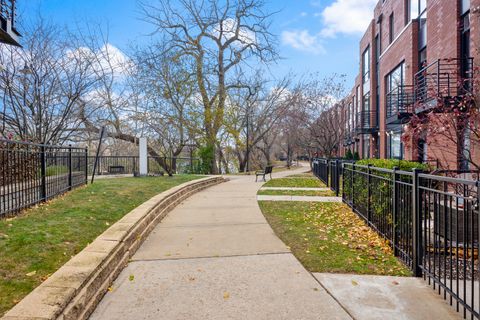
[
  {"x": 329, "y": 237},
  {"x": 36, "y": 244},
  {"x": 296, "y": 181},
  {"x": 315, "y": 193}
]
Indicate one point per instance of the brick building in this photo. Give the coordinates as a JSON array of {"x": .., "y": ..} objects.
[{"x": 412, "y": 52}]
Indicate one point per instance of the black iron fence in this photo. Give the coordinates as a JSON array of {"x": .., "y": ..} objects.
[
  {"x": 33, "y": 173},
  {"x": 111, "y": 165},
  {"x": 329, "y": 171},
  {"x": 430, "y": 221}
]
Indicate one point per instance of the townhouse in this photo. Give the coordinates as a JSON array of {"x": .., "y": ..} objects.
[{"x": 413, "y": 54}]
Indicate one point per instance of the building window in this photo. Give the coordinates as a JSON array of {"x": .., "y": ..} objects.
[
  {"x": 422, "y": 151},
  {"x": 366, "y": 102},
  {"x": 465, "y": 6},
  {"x": 465, "y": 39},
  {"x": 359, "y": 100},
  {"x": 391, "y": 28},
  {"x": 366, "y": 147},
  {"x": 366, "y": 65},
  {"x": 395, "y": 146},
  {"x": 396, "y": 78},
  {"x": 422, "y": 58}
]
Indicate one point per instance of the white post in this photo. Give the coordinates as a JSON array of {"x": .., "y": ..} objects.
[{"x": 143, "y": 165}]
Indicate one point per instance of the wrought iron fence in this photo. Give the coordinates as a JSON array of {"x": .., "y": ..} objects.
[
  {"x": 33, "y": 173},
  {"x": 111, "y": 165},
  {"x": 430, "y": 221}
]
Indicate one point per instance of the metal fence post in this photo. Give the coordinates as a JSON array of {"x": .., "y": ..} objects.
[
  {"x": 69, "y": 167},
  {"x": 394, "y": 211},
  {"x": 337, "y": 177},
  {"x": 353, "y": 189},
  {"x": 43, "y": 173},
  {"x": 328, "y": 173},
  {"x": 416, "y": 225},
  {"x": 369, "y": 182},
  {"x": 86, "y": 165}
]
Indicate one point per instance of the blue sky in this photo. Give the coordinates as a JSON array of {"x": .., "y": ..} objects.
[{"x": 314, "y": 35}]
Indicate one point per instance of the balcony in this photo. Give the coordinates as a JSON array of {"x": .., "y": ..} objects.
[
  {"x": 366, "y": 122},
  {"x": 8, "y": 33},
  {"x": 400, "y": 103},
  {"x": 445, "y": 81}
]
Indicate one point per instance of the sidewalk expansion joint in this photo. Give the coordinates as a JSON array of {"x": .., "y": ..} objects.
[
  {"x": 211, "y": 225},
  {"x": 331, "y": 295},
  {"x": 212, "y": 257}
]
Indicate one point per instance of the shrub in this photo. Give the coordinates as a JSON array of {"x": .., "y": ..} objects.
[
  {"x": 349, "y": 155},
  {"x": 207, "y": 156},
  {"x": 55, "y": 170},
  {"x": 403, "y": 165},
  {"x": 356, "y": 156}
]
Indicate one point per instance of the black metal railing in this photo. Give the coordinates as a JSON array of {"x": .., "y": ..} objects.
[
  {"x": 366, "y": 122},
  {"x": 330, "y": 171},
  {"x": 320, "y": 169},
  {"x": 444, "y": 79},
  {"x": 33, "y": 173},
  {"x": 112, "y": 165},
  {"x": 430, "y": 221},
  {"x": 400, "y": 101}
]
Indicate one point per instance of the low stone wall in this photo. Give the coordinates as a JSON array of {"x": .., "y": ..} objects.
[{"x": 76, "y": 288}]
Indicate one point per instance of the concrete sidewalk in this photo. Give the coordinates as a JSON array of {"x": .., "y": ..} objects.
[{"x": 216, "y": 257}]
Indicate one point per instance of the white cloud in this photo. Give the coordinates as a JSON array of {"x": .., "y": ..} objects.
[
  {"x": 304, "y": 41},
  {"x": 347, "y": 16},
  {"x": 107, "y": 58},
  {"x": 229, "y": 27}
]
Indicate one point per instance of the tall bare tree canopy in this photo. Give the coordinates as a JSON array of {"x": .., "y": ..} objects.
[{"x": 219, "y": 38}]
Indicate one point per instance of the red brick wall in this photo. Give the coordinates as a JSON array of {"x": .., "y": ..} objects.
[{"x": 442, "y": 29}]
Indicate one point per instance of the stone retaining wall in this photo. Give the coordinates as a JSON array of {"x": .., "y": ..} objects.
[{"x": 76, "y": 288}]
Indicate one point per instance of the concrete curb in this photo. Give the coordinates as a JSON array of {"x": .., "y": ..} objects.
[{"x": 77, "y": 287}]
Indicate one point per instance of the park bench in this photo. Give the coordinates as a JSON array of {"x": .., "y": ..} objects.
[
  {"x": 264, "y": 172},
  {"x": 116, "y": 169}
]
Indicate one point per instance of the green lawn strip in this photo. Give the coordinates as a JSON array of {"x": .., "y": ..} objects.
[
  {"x": 302, "y": 175},
  {"x": 312, "y": 193},
  {"x": 299, "y": 182},
  {"x": 329, "y": 237},
  {"x": 36, "y": 244}
]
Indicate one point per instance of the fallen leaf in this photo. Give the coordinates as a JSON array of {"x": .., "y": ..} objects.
[
  {"x": 226, "y": 295},
  {"x": 355, "y": 283},
  {"x": 31, "y": 273},
  {"x": 395, "y": 283},
  {"x": 131, "y": 278}
]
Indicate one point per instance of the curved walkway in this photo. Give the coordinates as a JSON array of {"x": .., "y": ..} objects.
[{"x": 216, "y": 257}]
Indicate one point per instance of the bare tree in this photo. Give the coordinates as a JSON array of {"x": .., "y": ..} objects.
[
  {"x": 219, "y": 38},
  {"x": 41, "y": 84},
  {"x": 253, "y": 113},
  {"x": 320, "y": 105}
]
